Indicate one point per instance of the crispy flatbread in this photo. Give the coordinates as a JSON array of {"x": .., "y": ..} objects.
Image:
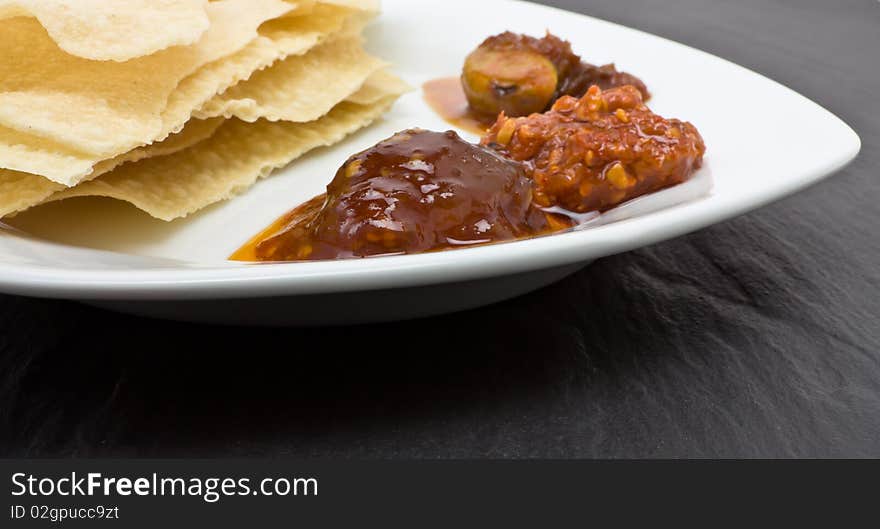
[
  {"x": 54, "y": 102},
  {"x": 300, "y": 88},
  {"x": 111, "y": 30},
  {"x": 20, "y": 191},
  {"x": 230, "y": 161}
]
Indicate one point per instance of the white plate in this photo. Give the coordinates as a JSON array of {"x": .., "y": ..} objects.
[{"x": 764, "y": 142}]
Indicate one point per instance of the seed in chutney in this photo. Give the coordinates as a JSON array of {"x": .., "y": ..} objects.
[{"x": 417, "y": 191}]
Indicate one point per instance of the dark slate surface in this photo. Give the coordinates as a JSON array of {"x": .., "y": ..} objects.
[{"x": 758, "y": 337}]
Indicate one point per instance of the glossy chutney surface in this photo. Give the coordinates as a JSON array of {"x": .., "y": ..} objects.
[{"x": 417, "y": 191}]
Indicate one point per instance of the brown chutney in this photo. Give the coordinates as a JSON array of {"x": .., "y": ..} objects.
[{"x": 417, "y": 191}]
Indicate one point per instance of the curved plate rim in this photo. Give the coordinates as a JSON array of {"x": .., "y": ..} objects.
[{"x": 272, "y": 280}]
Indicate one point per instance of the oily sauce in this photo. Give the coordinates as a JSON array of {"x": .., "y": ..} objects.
[
  {"x": 305, "y": 212},
  {"x": 446, "y": 97}
]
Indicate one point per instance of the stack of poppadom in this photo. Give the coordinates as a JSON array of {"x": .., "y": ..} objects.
[{"x": 173, "y": 105}]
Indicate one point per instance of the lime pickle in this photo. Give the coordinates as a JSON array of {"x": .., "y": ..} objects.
[{"x": 521, "y": 75}]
